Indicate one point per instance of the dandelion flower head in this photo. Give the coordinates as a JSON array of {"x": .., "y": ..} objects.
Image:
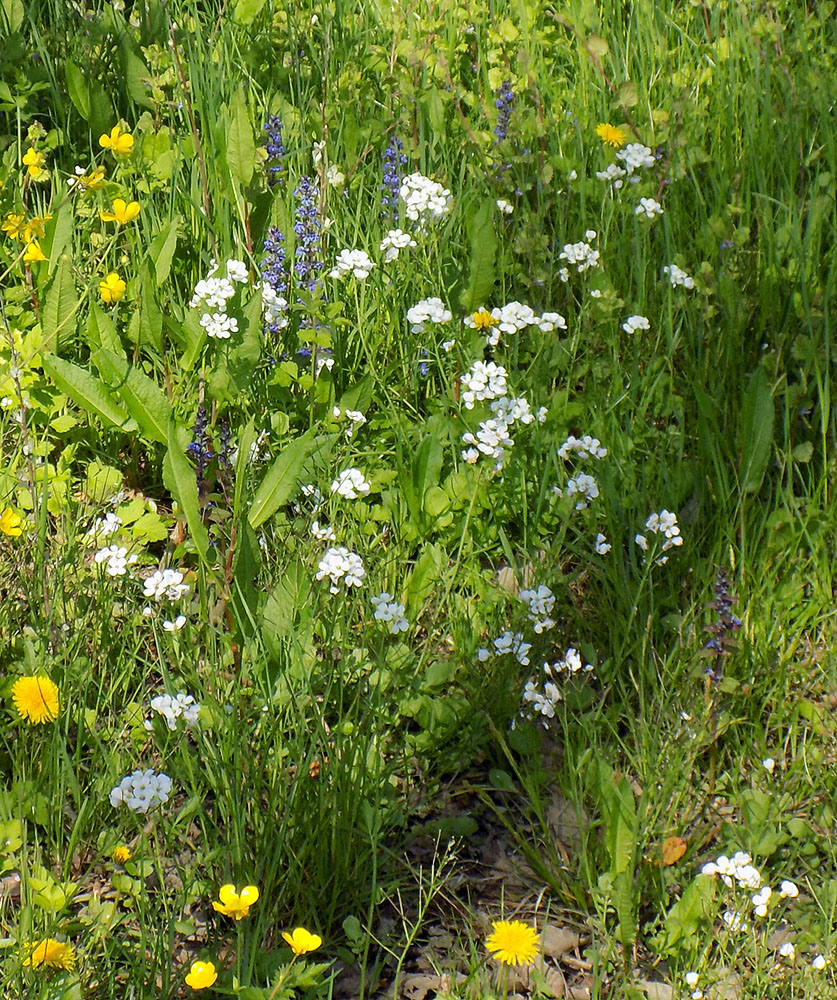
[
  {"x": 51, "y": 953},
  {"x": 612, "y": 135},
  {"x": 35, "y": 699},
  {"x": 512, "y": 942}
]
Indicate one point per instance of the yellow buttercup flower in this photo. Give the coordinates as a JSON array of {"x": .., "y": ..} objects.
[
  {"x": 512, "y": 942},
  {"x": 87, "y": 182},
  {"x": 34, "y": 163},
  {"x": 201, "y": 975},
  {"x": 12, "y": 225},
  {"x": 36, "y": 699},
  {"x": 122, "y": 213},
  {"x": 111, "y": 288},
  {"x": 302, "y": 941},
  {"x": 34, "y": 228},
  {"x": 33, "y": 253},
  {"x": 122, "y": 853},
  {"x": 612, "y": 135},
  {"x": 51, "y": 953},
  {"x": 118, "y": 141},
  {"x": 11, "y": 523},
  {"x": 236, "y": 904}
]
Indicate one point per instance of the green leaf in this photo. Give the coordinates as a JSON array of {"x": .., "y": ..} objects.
[
  {"x": 426, "y": 572},
  {"x": 247, "y": 10},
  {"x": 146, "y": 325},
  {"x": 683, "y": 921},
  {"x": 61, "y": 304},
  {"x": 483, "y": 241},
  {"x": 77, "y": 89},
  {"x": 13, "y": 13},
  {"x": 180, "y": 480},
  {"x": 756, "y": 431},
  {"x": 59, "y": 234},
  {"x": 162, "y": 248},
  {"x": 101, "y": 332},
  {"x": 281, "y": 479},
  {"x": 241, "y": 148},
  {"x": 141, "y": 395},
  {"x": 87, "y": 392}
]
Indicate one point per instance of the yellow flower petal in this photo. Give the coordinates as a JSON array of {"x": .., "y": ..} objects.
[
  {"x": 302, "y": 941},
  {"x": 51, "y": 953},
  {"x": 35, "y": 699},
  {"x": 11, "y": 523},
  {"x": 201, "y": 975},
  {"x": 612, "y": 135},
  {"x": 513, "y": 942}
]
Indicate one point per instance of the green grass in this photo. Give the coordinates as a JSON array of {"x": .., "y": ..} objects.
[{"x": 328, "y": 749}]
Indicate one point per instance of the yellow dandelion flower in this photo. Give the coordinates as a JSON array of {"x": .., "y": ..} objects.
[
  {"x": 118, "y": 141},
  {"x": 36, "y": 699},
  {"x": 512, "y": 942},
  {"x": 612, "y": 135},
  {"x": 201, "y": 975},
  {"x": 122, "y": 853},
  {"x": 111, "y": 288},
  {"x": 483, "y": 320},
  {"x": 51, "y": 953},
  {"x": 122, "y": 213},
  {"x": 11, "y": 523},
  {"x": 34, "y": 163},
  {"x": 234, "y": 904},
  {"x": 302, "y": 941},
  {"x": 12, "y": 225},
  {"x": 33, "y": 253}
]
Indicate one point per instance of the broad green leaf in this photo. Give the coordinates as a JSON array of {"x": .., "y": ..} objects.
[
  {"x": 12, "y": 14},
  {"x": 756, "y": 431},
  {"x": 427, "y": 466},
  {"x": 628, "y": 94},
  {"x": 135, "y": 73},
  {"x": 244, "y": 598},
  {"x": 246, "y": 440},
  {"x": 693, "y": 910},
  {"x": 61, "y": 305},
  {"x": 162, "y": 248},
  {"x": 101, "y": 332},
  {"x": 281, "y": 479},
  {"x": 241, "y": 147},
  {"x": 180, "y": 479},
  {"x": 483, "y": 242},
  {"x": 59, "y": 234},
  {"x": 77, "y": 89},
  {"x": 87, "y": 392},
  {"x": 425, "y": 574},
  {"x": 247, "y": 10},
  {"x": 597, "y": 46},
  {"x": 140, "y": 394},
  {"x": 146, "y": 325}
]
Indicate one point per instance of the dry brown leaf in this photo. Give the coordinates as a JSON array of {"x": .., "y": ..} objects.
[
  {"x": 556, "y": 941},
  {"x": 673, "y": 850},
  {"x": 656, "y": 991}
]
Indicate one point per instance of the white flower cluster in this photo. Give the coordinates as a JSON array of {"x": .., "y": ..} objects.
[
  {"x": 173, "y": 708},
  {"x": 584, "y": 486},
  {"x": 540, "y": 602},
  {"x": 505, "y": 207},
  {"x": 585, "y": 447},
  {"x": 508, "y": 642},
  {"x": 615, "y": 174},
  {"x": 213, "y": 292},
  {"x": 315, "y": 498},
  {"x": 387, "y": 609},
  {"x": 355, "y": 262},
  {"x": 513, "y": 317},
  {"x": 601, "y": 546},
  {"x": 355, "y": 417},
  {"x": 541, "y": 701},
  {"x": 341, "y": 565},
  {"x": 492, "y": 437},
  {"x": 105, "y": 526},
  {"x": 116, "y": 559},
  {"x": 570, "y": 663},
  {"x": 395, "y": 241},
  {"x": 351, "y": 484},
  {"x": 322, "y": 533},
  {"x": 581, "y": 254},
  {"x": 273, "y": 307},
  {"x": 634, "y": 323},
  {"x": 165, "y": 583},
  {"x": 141, "y": 790},
  {"x": 424, "y": 198},
  {"x": 483, "y": 380},
  {"x": 428, "y": 311},
  {"x": 664, "y": 523},
  {"x": 738, "y": 869},
  {"x": 678, "y": 277},
  {"x": 649, "y": 207},
  {"x": 634, "y": 156}
]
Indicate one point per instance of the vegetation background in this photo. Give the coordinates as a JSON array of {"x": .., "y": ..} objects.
[{"x": 393, "y": 791}]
